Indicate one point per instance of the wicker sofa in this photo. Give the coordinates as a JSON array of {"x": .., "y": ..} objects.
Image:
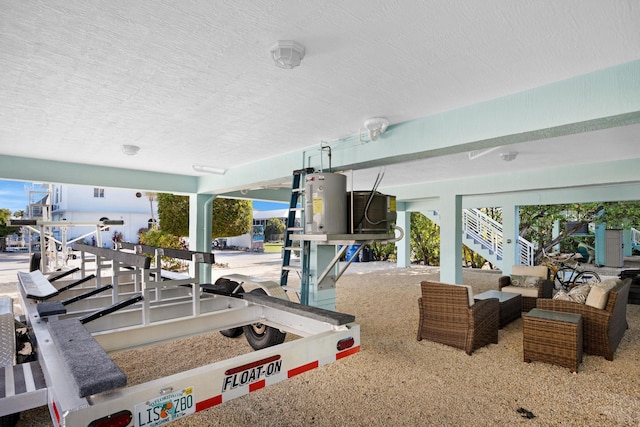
[
  {"x": 529, "y": 295},
  {"x": 603, "y": 329},
  {"x": 448, "y": 315}
]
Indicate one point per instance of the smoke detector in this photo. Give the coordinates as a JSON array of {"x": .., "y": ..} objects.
[{"x": 376, "y": 126}]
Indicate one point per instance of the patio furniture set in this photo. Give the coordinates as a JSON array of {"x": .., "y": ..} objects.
[{"x": 555, "y": 331}]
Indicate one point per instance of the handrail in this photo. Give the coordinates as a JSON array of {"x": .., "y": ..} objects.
[
  {"x": 527, "y": 251},
  {"x": 489, "y": 231}
]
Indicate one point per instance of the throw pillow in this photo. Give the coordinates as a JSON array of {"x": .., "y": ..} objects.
[
  {"x": 606, "y": 284},
  {"x": 579, "y": 293},
  {"x": 562, "y": 296},
  {"x": 598, "y": 297},
  {"x": 525, "y": 281}
]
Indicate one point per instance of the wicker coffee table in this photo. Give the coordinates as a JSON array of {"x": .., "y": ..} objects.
[
  {"x": 552, "y": 337},
  {"x": 510, "y": 305}
]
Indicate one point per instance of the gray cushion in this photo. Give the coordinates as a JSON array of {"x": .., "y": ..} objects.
[{"x": 91, "y": 367}]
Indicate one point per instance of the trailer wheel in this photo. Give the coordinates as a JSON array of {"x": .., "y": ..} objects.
[
  {"x": 34, "y": 262},
  {"x": 262, "y": 336},
  {"x": 9, "y": 420},
  {"x": 227, "y": 285}
]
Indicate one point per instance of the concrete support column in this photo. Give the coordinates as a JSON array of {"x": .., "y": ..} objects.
[
  {"x": 627, "y": 244},
  {"x": 200, "y": 228},
  {"x": 322, "y": 293},
  {"x": 404, "y": 246},
  {"x": 555, "y": 232},
  {"x": 451, "y": 239},
  {"x": 510, "y": 231}
]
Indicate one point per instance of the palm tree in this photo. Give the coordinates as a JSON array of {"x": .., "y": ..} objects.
[{"x": 152, "y": 197}]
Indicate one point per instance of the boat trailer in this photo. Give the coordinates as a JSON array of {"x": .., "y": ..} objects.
[{"x": 77, "y": 318}]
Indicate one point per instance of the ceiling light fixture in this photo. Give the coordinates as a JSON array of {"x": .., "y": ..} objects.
[
  {"x": 130, "y": 150},
  {"x": 474, "y": 154},
  {"x": 376, "y": 126},
  {"x": 287, "y": 54},
  {"x": 209, "y": 169},
  {"x": 509, "y": 156}
]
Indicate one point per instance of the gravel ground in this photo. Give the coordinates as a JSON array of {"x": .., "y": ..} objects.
[{"x": 396, "y": 380}]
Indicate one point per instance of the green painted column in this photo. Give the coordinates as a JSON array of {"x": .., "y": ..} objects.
[
  {"x": 322, "y": 293},
  {"x": 451, "y": 239},
  {"x": 600, "y": 246},
  {"x": 626, "y": 242},
  {"x": 510, "y": 231},
  {"x": 555, "y": 233},
  {"x": 404, "y": 246},
  {"x": 200, "y": 228}
]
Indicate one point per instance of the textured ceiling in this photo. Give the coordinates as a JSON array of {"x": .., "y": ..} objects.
[{"x": 192, "y": 82}]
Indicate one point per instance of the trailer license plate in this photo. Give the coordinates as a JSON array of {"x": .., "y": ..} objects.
[{"x": 166, "y": 408}]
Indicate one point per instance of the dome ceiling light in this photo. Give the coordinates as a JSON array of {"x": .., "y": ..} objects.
[
  {"x": 509, "y": 156},
  {"x": 287, "y": 54},
  {"x": 130, "y": 150}
]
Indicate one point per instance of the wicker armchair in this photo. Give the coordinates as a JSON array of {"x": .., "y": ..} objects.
[
  {"x": 603, "y": 329},
  {"x": 446, "y": 317},
  {"x": 529, "y": 295}
]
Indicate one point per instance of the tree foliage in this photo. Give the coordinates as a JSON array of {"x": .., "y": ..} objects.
[
  {"x": 536, "y": 222},
  {"x": 173, "y": 212},
  {"x": 471, "y": 258},
  {"x": 536, "y": 225},
  {"x": 275, "y": 226},
  {"x": 231, "y": 217},
  {"x": 425, "y": 239},
  {"x": 383, "y": 251},
  {"x": 5, "y": 215},
  {"x": 163, "y": 239},
  {"x": 5, "y": 230}
]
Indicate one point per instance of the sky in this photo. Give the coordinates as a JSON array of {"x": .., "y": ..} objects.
[{"x": 14, "y": 197}]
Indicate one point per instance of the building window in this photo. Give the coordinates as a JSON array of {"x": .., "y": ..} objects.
[{"x": 98, "y": 192}]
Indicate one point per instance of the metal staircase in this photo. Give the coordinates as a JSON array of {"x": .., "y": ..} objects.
[
  {"x": 483, "y": 235},
  {"x": 296, "y": 205}
]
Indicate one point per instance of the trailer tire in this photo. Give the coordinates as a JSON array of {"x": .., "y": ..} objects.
[
  {"x": 9, "y": 420},
  {"x": 229, "y": 286},
  {"x": 262, "y": 336},
  {"x": 34, "y": 262}
]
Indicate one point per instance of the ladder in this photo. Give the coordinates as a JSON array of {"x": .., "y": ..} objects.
[{"x": 297, "y": 191}]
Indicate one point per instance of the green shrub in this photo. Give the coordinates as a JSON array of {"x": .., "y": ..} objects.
[{"x": 163, "y": 239}]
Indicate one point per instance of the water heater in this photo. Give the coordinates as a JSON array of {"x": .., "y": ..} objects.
[{"x": 325, "y": 203}]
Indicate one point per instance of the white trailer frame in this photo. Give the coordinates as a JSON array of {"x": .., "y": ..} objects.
[
  {"x": 171, "y": 310},
  {"x": 54, "y": 253}
]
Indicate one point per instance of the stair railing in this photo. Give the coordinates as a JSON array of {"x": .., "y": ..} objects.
[{"x": 488, "y": 233}]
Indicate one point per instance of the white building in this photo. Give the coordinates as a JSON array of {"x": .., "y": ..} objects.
[
  {"x": 79, "y": 203},
  {"x": 83, "y": 204},
  {"x": 260, "y": 218}
]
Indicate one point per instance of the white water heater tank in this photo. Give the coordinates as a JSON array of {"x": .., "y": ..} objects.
[{"x": 325, "y": 203}]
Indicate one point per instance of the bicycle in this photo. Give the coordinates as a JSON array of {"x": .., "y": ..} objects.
[{"x": 566, "y": 275}]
